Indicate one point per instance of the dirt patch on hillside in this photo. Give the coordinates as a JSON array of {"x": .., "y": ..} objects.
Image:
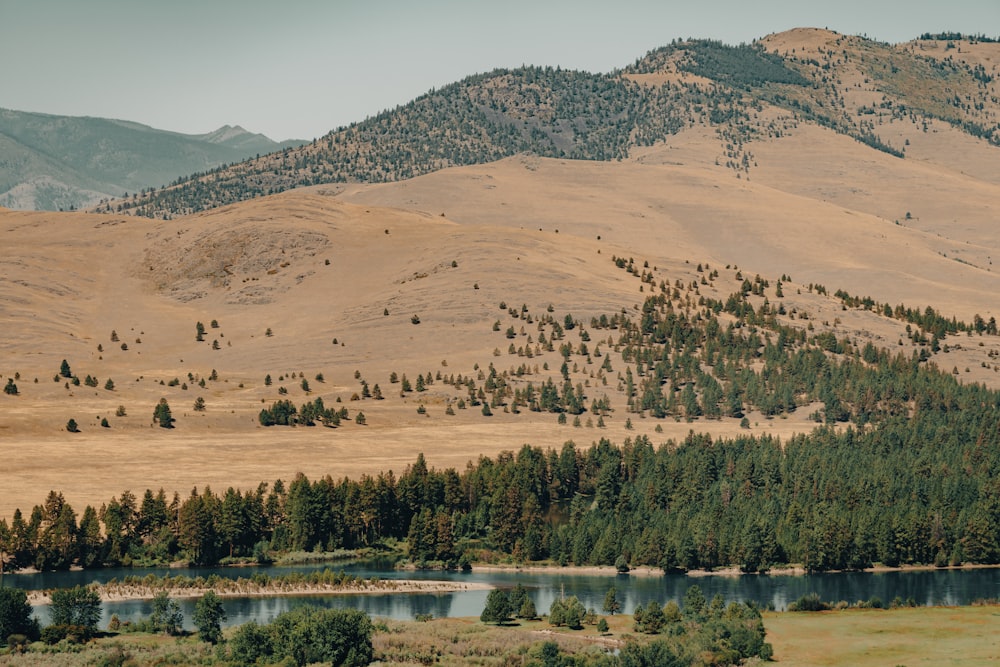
[{"x": 249, "y": 258}]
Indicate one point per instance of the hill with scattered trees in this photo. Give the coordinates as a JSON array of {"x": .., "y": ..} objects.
[
  {"x": 878, "y": 94},
  {"x": 723, "y": 417},
  {"x": 716, "y": 325}
]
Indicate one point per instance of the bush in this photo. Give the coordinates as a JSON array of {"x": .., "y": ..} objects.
[
  {"x": 17, "y": 643},
  {"x": 74, "y": 634},
  {"x": 304, "y": 636},
  {"x": 809, "y": 602}
]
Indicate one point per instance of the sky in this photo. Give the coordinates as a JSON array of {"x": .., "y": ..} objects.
[{"x": 296, "y": 69}]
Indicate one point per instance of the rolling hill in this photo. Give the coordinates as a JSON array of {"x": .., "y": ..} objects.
[
  {"x": 928, "y": 100},
  {"x": 497, "y": 235}
]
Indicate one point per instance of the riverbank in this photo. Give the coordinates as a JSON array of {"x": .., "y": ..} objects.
[
  {"x": 646, "y": 571},
  {"x": 587, "y": 570},
  {"x": 123, "y": 591},
  {"x": 798, "y": 570}
]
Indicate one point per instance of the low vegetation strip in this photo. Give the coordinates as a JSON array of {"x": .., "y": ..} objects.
[{"x": 323, "y": 582}]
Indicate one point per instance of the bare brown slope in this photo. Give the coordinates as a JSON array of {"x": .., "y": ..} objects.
[
  {"x": 67, "y": 281},
  {"x": 679, "y": 211},
  {"x": 339, "y": 283}
]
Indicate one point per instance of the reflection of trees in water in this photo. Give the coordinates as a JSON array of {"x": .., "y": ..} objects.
[{"x": 937, "y": 587}]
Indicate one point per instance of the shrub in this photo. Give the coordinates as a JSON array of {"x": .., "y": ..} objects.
[
  {"x": 809, "y": 602},
  {"x": 304, "y": 636},
  {"x": 74, "y": 634}
]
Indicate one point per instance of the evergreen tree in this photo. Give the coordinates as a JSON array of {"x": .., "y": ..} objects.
[
  {"x": 497, "y": 608},
  {"x": 611, "y": 603},
  {"x": 161, "y": 414},
  {"x": 574, "y": 612},
  {"x": 517, "y": 597},
  {"x": 653, "y": 619}
]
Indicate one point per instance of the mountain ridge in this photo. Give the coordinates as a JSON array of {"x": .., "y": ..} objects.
[
  {"x": 745, "y": 94},
  {"x": 66, "y": 162}
]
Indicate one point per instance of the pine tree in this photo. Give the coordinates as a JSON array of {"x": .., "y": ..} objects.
[
  {"x": 162, "y": 416},
  {"x": 497, "y": 608},
  {"x": 611, "y": 603}
]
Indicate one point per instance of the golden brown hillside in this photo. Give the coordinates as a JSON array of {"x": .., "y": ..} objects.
[
  {"x": 339, "y": 276},
  {"x": 930, "y": 100},
  {"x": 461, "y": 275}
]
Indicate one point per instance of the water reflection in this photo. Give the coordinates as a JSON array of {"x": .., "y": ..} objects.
[{"x": 931, "y": 587}]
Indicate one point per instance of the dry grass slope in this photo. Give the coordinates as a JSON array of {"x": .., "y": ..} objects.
[{"x": 339, "y": 273}]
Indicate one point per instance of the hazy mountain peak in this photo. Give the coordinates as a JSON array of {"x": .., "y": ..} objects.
[
  {"x": 227, "y": 133},
  {"x": 62, "y": 162}
]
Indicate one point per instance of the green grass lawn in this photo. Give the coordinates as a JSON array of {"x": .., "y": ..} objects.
[{"x": 912, "y": 636}]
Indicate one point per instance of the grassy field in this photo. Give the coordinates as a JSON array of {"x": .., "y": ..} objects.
[
  {"x": 858, "y": 637},
  {"x": 913, "y": 636}
]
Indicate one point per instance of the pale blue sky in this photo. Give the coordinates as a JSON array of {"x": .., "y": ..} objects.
[{"x": 299, "y": 68}]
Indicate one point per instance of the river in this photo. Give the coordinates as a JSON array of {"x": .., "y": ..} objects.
[{"x": 925, "y": 587}]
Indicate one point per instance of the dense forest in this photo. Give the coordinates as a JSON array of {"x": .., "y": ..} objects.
[
  {"x": 902, "y": 466},
  {"x": 553, "y": 112}
]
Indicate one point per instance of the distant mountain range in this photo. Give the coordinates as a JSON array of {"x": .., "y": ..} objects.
[{"x": 52, "y": 162}]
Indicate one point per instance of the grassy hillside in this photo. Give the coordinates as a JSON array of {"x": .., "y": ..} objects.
[
  {"x": 61, "y": 162},
  {"x": 744, "y": 271},
  {"x": 307, "y": 284},
  {"x": 747, "y": 94}
]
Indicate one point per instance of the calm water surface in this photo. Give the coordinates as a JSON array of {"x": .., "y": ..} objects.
[{"x": 932, "y": 587}]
